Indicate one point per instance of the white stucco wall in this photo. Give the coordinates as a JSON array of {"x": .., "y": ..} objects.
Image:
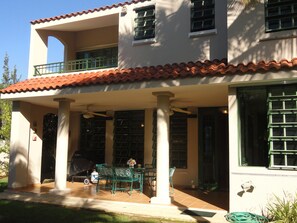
[
  {"x": 172, "y": 42},
  {"x": 247, "y": 40}
]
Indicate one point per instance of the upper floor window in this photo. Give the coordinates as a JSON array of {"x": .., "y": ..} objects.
[
  {"x": 280, "y": 15},
  {"x": 202, "y": 15},
  {"x": 144, "y": 23}
]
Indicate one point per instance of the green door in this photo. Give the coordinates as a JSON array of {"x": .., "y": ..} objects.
[{"x": 213, "y": 149}]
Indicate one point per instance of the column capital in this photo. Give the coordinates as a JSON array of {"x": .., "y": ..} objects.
[
  {"x": 163, "y": 93},
  {"x": 64, "y": 99}
]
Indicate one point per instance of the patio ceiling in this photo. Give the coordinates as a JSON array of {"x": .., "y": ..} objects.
[{"x": 132, "y": 99}]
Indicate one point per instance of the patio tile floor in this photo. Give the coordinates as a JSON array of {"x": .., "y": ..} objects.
[
  {"x": 186, "y": 203},
  {"x": 182, "y": 197}
]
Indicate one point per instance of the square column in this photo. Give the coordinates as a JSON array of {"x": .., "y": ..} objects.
[
  {"x": 62, "y": 145},
  {"x": 163, "y": 111}
]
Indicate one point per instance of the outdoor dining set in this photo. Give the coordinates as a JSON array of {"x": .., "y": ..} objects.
[{"x": 126, "y": 178}]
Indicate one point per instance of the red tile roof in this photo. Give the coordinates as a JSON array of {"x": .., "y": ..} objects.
[
  {"x": 38, "y": 21},
  {"x": 168, "y": 71}
]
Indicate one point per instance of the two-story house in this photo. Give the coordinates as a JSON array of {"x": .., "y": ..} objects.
[{"x": 207, "y": 86}]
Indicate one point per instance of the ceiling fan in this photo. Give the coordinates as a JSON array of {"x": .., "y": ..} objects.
[
  {"x": 90, "y": 114},
  {"x": 174, "y": 109},
  {"x": 180, "y": 110}
]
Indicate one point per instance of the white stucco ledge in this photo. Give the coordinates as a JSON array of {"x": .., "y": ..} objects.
[
  {"x": 262, "y": 171},
  {"x": 202, "y": 33},
  {"x": 144, "y": 42},
  {"x": 160, "y": 200}
]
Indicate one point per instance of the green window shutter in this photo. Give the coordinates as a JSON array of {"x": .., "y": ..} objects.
[
  {"x": 280, "y": 15},
  {"x": 144, "y": 23},
  {"x": 282, "y": 126},
  {"x": 202, "y": 15}
]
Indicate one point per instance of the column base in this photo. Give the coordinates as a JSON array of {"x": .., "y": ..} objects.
[
  {"x": 60, "y": 191},
  {"x": 161, "y": 200}
]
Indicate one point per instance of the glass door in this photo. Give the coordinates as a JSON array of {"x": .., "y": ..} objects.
[{"x": 213, "y": 149}]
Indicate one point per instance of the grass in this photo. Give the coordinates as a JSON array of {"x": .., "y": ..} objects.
[
  {"x": 24, "y": 212},
  {"x": 3, "y": 184}
]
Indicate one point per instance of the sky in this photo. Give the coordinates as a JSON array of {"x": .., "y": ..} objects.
[{"x": 15, "y": 18}]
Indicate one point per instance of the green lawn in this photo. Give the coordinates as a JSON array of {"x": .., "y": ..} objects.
[{"x": 24, "y": 212}]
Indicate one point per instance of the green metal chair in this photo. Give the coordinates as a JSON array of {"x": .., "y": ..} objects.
[
  {"x": 104, "y": 173},
  {"x": 125, "y": 175},
  {"x": 245, "y": 217},
  {"x": 171, "y": 172}
]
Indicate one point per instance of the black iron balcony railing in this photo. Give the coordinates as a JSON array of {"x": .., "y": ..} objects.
[{"x": 76, "y": 65}]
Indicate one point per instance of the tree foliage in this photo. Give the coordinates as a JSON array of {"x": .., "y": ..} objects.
[{"x": 8, "y": 77}]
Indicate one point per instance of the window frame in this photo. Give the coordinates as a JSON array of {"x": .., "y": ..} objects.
[
  {"x": 203, "y": 18},
  {"x": 279, "y": 17},
  {"x": 146, "y": 27},
  {"x": 279, "y": 131},
  {"x": 281, "y": 125}
]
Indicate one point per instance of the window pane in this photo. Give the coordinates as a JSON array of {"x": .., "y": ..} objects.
[
  {"x": 291, "y": 117},
  {"x": 286, "y": 23},
  {"x": 292, "y": 145},
  {"x": 292, "y": 160},
  {"x": 292, "y": 131},
  {"x": 272, "y": 11},
  {"x": 253, "y": 121},
  {"x": 277, "y": 132},
  {"x": 290, "y": 104},
  {"x": 278, "y": 145},
  {"x": 277, "y": 105},
  {"x": 276, "y": 118},
  {"x": 178, "y": 140},
  {"x": 285, "y": 9},
  {"x": 279, "y": 160}
]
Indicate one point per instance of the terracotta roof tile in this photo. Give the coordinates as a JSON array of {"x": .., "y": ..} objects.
[
  {"x": 173, "y": 71},
  {"x": 74, "y": 14}
]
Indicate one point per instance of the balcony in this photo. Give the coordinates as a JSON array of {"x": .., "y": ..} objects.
[{"x": 76, "y": 65}]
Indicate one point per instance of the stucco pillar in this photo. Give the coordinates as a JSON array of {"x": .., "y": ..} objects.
[
  {"x": 163, "y": 110},
  {"x": 19, "y": 175},
  {"x": 62, "y": 144}
]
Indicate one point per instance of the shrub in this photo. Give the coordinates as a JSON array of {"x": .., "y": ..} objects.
[{"x": 283, "y": 210}]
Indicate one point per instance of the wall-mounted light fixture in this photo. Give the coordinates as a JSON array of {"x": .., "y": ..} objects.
[
  {"x": 224, "y": 110},
  {"x": 124, "y": 11}
]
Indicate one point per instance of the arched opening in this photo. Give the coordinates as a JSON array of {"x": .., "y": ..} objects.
[
  {"x": 56, "y": 49},
  {"x": 49, "y": 139}
]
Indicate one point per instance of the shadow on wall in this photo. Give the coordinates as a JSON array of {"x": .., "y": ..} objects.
[
  {"x": 171, "y": 34},
  {"x": 19, "y": 174},
  {"x": 247, "y": 32}
]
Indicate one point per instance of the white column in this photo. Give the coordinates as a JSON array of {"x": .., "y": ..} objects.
[
  {"x": 62, "y": 145},
  {"x": 163, "y": 110}
]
